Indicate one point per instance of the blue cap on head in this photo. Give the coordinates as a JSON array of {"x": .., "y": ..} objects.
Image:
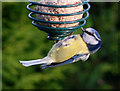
[
  {"x": 97, "y": 34},
  {"x": 92, "y": 39}
]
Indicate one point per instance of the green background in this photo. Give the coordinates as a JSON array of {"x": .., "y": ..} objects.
[{"x": 22, "y": 41}]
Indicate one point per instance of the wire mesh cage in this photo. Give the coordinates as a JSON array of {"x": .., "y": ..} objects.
[{"x": 58, "y": 33}]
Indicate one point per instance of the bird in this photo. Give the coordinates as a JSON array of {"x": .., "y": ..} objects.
[{"x": 69, "y": 50}]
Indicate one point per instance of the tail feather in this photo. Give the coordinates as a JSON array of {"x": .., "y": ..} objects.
[{"x": 45, "y": 60}]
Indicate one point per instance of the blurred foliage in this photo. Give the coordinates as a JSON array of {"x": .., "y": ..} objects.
[
  {"x": 0, "y": 45},
  {"x": 22, "y": 41}
]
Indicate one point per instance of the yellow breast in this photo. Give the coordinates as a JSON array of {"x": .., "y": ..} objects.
[{"x": 63, "y": 53}]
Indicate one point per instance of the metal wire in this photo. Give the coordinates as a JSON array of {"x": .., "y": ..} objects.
[{"x": 58, "y": 33}]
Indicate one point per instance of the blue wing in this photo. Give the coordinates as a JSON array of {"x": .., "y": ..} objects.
[{"x": 71, "y": 60}]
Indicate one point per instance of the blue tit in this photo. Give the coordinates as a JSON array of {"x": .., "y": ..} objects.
[{"x": 69, "y": 50}]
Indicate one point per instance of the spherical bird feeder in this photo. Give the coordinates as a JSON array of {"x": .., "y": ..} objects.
[{"x": 57, "y": 30}]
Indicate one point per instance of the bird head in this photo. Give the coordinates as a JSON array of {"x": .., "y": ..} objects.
[{"x": 92, "y": 38}]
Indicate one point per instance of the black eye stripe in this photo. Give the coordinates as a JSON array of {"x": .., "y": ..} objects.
[{"x": 89, "y": 33}]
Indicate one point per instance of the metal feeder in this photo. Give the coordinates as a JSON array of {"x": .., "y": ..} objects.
[{"x": 58, "y": 33}]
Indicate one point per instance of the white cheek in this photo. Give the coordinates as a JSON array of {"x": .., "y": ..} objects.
[{"x": 89, "y": 39}]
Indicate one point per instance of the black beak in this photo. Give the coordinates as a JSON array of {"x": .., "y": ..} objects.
[{"x": 83, "y": 29}]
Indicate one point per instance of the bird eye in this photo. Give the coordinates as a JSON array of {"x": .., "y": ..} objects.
[{"x": 93, "y": 33}]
